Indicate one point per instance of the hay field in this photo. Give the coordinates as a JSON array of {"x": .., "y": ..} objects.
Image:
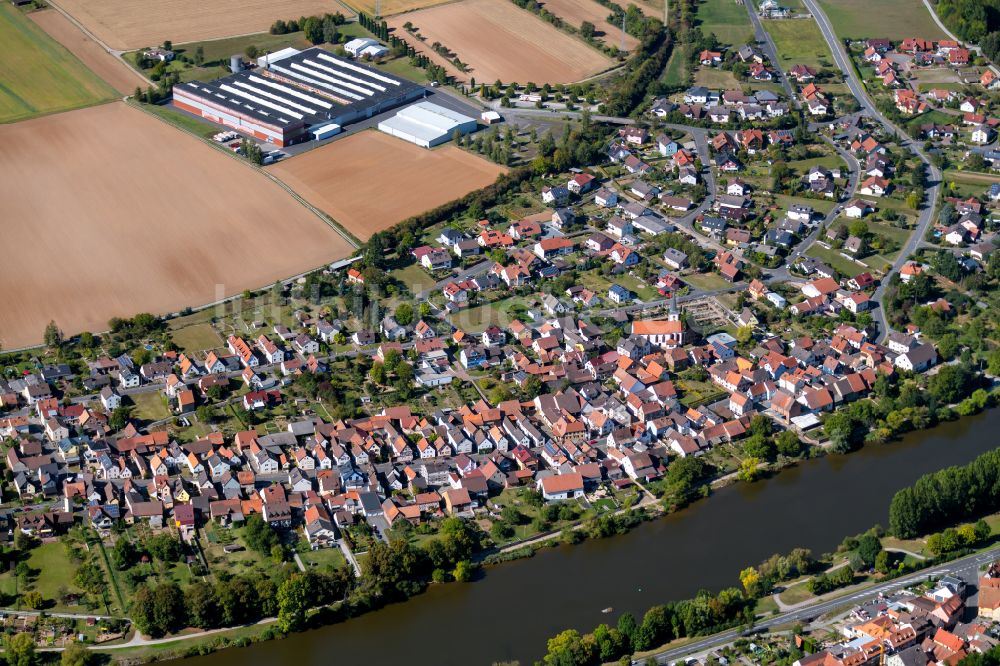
[
  {"x": 895, "y": 19},
  {"x": 370, "y": 181},
  {"x": 38, "y": 75},
  {"x": 498, "y": 40},
  {"x": 108, "y": 211},
  {"x": 133, "y": 24},
  {"x": 116, "y": 73},
  {"x": 575, "y": 12}
]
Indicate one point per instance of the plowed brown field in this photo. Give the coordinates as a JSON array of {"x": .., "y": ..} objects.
[
  {"x": 106, "y": 212},
  {"x": 133, "y": 24},
  {"x": 499, "y": 40},
  {"x": 370, "y": 181}
]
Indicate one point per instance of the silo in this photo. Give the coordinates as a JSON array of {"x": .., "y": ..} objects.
[{"x": 236, "y": 63}]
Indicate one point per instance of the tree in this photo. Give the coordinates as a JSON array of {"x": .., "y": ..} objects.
[
  {"x": 76, "y": 654},
  {"x": 294, "y": 599},
  {"x": 748, "y": 470},
  {"x": 751, "y": 581},
  {"x": 33, "y": 599},
  {"x": 744, "y": 334},
  {"x": 20, "y": 650},
  {"x": 165, "y": 547},
  {"x": 869, "y": 547},
  {"x": 788, "y": 444},
  {"x": 202, "y": 605},
  {"x": 587, "y": 30},
  {"x": 53, "y": 336},
  {"x": 124, "y": 554},
  {"x": 463, "y": 571},
  {"x": 568, "y": 648},
  {"x": 404, "y": 314}
]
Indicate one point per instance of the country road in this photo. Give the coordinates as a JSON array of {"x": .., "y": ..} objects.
[
  {"x": 966, "y": 568},
  {"x": 933, "y": 189}
]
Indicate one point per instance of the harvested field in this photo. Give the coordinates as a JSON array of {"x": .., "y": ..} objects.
[
  {"x": 38, "y": 75},
  {"x": 390, "y": 7},
  {"x": 131, "y": 24},
  {"x": 575, "y": 12},
  {"x": 108, "y": 211},
  {"x": 116, "y": 73},
  {"x": 370, "y": 181},
  {"x": 498, "y": 40}
]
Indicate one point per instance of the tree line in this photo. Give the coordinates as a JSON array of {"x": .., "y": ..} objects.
[{"x": 939, "y": 499}]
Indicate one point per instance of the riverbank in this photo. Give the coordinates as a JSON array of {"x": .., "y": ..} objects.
[{"x": 812, "y": 504}]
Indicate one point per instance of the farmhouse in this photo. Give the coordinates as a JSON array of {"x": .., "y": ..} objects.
[
  {"x": 427, "y": 124},
  {"x": 281, "y": 101}
]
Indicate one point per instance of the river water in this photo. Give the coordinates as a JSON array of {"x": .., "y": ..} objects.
[{"x": 515, "y": 607}]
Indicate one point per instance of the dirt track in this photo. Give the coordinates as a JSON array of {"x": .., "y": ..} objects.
[
  {"x": 117, "y": 74},
  {"x": 370, "y": 181},
  {"x": 498, "y": 40},
  {"x": 133, "y": 24},
  {"x": 107, "y": 212}
]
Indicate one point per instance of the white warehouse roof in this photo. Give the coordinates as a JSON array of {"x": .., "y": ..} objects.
[
  {"x": 426, "y": 124},
  {"x": 265, "y": 60}
]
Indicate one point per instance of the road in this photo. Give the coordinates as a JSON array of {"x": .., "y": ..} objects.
[
  {"x": 966, "y": 568},
  {"x": 763, "y": 37},
  {"x": 933, "y": 188}
]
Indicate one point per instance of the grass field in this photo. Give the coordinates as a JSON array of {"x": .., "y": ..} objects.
[
  {"x": 710, "y": 77},
  {"x": 673, "y": 73},
  {"x": 727, "y": 19},
  {"x": 895, "y": 19},
  {"x": 707, "y": 281},
  {"x": 348, "y": 179},
  {"x": 55, "y": 577},
  {"x": 195, "y": 338},
  {"x": 839, "y": 263},
  {"x": 477, "y": 318},
  {"x": 39, "y": 74},
  {"x": 133, "y": 25},
  {"x": 799, "y": 41},
  {"x": 125, "y": 220},
  {"x": 112, "y": 70},
  {"x": 500, "y": 41},
  {"x": 149, "y": 406}
]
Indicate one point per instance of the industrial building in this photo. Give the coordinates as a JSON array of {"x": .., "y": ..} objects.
[
  {"x": 427, "y": 124},
  {"x": 294, "y": 91}
]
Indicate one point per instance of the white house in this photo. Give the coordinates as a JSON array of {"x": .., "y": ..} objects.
[{"x": 562, "y": 486}]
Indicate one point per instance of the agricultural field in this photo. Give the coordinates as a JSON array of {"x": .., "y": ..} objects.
[
  {"x": 133, "y": 25},
  {"x": 116, "y": 73},
  {"x": 390, "y": 7},
  {"x": 727, "y": 19},
  {"x": 799, "y": 41},
  {"x": 40, "y": 75},
  {"x": 575, "y": 12},
  {"x": 500, "y": 41},
  {"x": 348, "y": 179},
  {"x": 895, "y": 19},
  {"x": 124, "y": 221}
]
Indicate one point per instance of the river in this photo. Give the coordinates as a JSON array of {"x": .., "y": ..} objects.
[{"x": 515, "y": 607}]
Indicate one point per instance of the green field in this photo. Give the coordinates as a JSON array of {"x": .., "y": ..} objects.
[
  {"x": 40, "y": 75},
  {"x": 149, "y": 406},
  {"x": 52, "y": 576},
  {"x": 799, "y": 41},
  {"x": 895, "y": 19},
  {"x": 728, "y": 19},
  {"x": 195, "y": 338},
  {"x": 188, "y": 123},
  {"x": 673, "y": 73},
  {"x": 839, "y": 263}
]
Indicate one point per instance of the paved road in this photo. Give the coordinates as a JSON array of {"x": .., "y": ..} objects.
[
  {"x": 967, "y": 568},
  {"x": 933, "y": 189},
  {"x": 763, "y": 37}
]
